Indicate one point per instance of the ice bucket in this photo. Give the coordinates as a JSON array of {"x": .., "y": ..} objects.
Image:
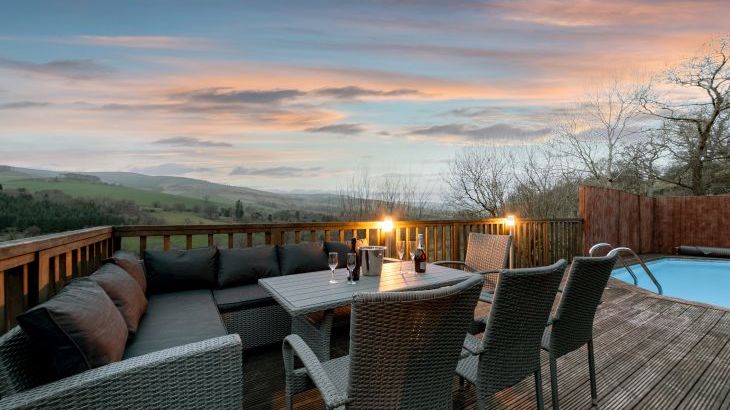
[{"x": 372, "y": 260}]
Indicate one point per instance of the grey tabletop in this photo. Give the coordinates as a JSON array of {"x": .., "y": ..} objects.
[{"x": 311, "y": 292}]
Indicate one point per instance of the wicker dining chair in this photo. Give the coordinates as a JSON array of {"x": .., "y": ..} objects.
[
  {"x": 404, "y": 347},
  {"x": 509, "y": 350},
  {"x": 571, "y": 326},
  {"x": 486, "y": 255}
]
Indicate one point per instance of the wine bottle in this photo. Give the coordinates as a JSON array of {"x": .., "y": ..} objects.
[{"x": 420, "y": 257}]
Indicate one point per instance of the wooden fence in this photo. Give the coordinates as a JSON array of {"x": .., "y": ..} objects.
[
  {"x": 34, "y": 269},
  {"x": 653, "y": 224}
]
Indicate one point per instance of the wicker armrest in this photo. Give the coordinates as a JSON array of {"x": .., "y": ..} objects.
[
  {"x": 205, "y": 374},
  {"x": 441, "y": 263},
  {"x": 487, "y": 272},
  {"x": 473, "y": 345},
  {"x": 331, "y": 395}
]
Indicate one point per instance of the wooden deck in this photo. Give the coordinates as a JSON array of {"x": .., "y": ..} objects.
[{"x": 651, "y": 352}]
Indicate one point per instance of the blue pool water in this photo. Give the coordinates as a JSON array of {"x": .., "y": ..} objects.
[{"x": 701, "y": 280}]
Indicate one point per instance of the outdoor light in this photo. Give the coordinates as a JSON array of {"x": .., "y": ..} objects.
[
  {"x": 510, "y": 222},
  {"x": 387, "y": 225}
]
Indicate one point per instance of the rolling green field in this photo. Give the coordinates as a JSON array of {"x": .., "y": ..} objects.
[
  {"x": 168, "y": 200},
  {"x": 91, "y": 190}
]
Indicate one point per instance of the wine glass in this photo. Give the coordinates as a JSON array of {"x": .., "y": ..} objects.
[
  {"x": 351, "y": 262},
  {"x": 412, "y": 251},
  {"x": 400, "y": 247},
  {"x": 332, "y": 261}
]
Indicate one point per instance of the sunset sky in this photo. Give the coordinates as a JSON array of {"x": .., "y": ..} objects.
[{"x": 295, "y": 95}]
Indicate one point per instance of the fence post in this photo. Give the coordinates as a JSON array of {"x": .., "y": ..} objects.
[
  {"x": 455, "y": 242},
  {"x": 33, "y": 280}
]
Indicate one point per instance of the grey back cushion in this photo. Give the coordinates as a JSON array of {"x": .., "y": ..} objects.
[
  {"x": 124, "y": 291},
  {"x": 76, "y": 330},
  {"x": 342, "y": 249},
  {"x": 302, "y": 257},
  {"x": 176, "y": 270},
  {"x": 244, "y": 266}
]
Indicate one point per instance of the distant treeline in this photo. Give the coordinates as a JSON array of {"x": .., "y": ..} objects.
[{"x": 25, "y": 214}]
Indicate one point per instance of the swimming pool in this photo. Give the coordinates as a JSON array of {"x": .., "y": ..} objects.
[{"x": 701, "y": 280}]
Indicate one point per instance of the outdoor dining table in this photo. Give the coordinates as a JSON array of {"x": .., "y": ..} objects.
[{"x": 307, "y": 293}]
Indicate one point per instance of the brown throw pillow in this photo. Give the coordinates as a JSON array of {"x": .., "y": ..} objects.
[
  {"x": 132, "y": 265},
  {"x": 124, "y": 292},
  {"x": 79, "y": 328}
]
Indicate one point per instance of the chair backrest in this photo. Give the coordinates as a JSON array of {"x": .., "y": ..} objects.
[
  {"x": 487, "y": 252},
  {"x": 21, "y": 367},
  {"x": 573, "y": 321},
  {"x": 520, "y": 310},
  {"x": 404, "y": 346}
]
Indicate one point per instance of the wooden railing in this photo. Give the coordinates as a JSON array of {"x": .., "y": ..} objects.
[
  {"x": 34, "y": 269},
  {"x": 537, "y": 242}
]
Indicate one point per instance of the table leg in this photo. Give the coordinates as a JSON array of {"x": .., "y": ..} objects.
[{"x": 316, "y": 333}]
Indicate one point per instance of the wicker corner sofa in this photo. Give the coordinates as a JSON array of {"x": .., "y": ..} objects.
[{"x": 187, "y": 351}]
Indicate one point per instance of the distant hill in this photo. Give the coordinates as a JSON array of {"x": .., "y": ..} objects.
[
  {"x": 176, "y": 200},
  {"x": 196, "y": 188}
]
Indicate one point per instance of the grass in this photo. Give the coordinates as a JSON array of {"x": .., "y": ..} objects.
[
  {"x": 92, "y": 190},
  {"x": 185, "y": 218}
]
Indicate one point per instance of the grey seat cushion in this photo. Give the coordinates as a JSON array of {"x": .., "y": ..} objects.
[
  {"x": 244, "y": 266},
  {"x": 242, "y": 297},
  {"x": 176, "y": 319}
]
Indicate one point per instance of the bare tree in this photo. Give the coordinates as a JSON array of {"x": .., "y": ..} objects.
[
  {"x": 694, "y": 131},
  {"x": 478, "y": 179},
  {"x": 356, "y": 197},
  {"x": 542, "y": 187},
  {"x": 593, "y": 133},
  {"x": 401, "y": 196}
]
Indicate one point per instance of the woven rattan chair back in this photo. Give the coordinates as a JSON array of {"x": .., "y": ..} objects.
[
  {"x": 404, "y": 346},
  {"x": 573, "y": 324},
  {"x": 521, "y": 308},
  {"x": 20, "y": 366},
  {"x": 488, "y": 252}
]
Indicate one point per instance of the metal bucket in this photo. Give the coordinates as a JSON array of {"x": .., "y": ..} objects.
[{"x": 372, "y": 260}]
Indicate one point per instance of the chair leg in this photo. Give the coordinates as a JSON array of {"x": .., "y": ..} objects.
[
  {"x": 554, "y": 381},
  {"x": 481, "y": 401},
  {"x": 538, "y": 390},
  {"x": 288, "y": 401},
  {"x": 592, "y": 371}
]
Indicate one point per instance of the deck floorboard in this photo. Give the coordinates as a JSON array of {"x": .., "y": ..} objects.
[{"x": 651, "y": 352}]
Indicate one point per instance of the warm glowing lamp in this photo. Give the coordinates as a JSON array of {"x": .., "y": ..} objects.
[
  {"x": 387, "y": 225},
  {"x": 510, "y": 222}
]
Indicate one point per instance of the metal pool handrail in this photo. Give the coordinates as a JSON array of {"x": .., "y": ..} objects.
[{"x": 617, "y": 251}]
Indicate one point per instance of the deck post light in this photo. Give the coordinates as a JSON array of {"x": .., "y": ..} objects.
[
  {"x": 510, "y": 222},
  {"x": 386, "y": 227}
]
